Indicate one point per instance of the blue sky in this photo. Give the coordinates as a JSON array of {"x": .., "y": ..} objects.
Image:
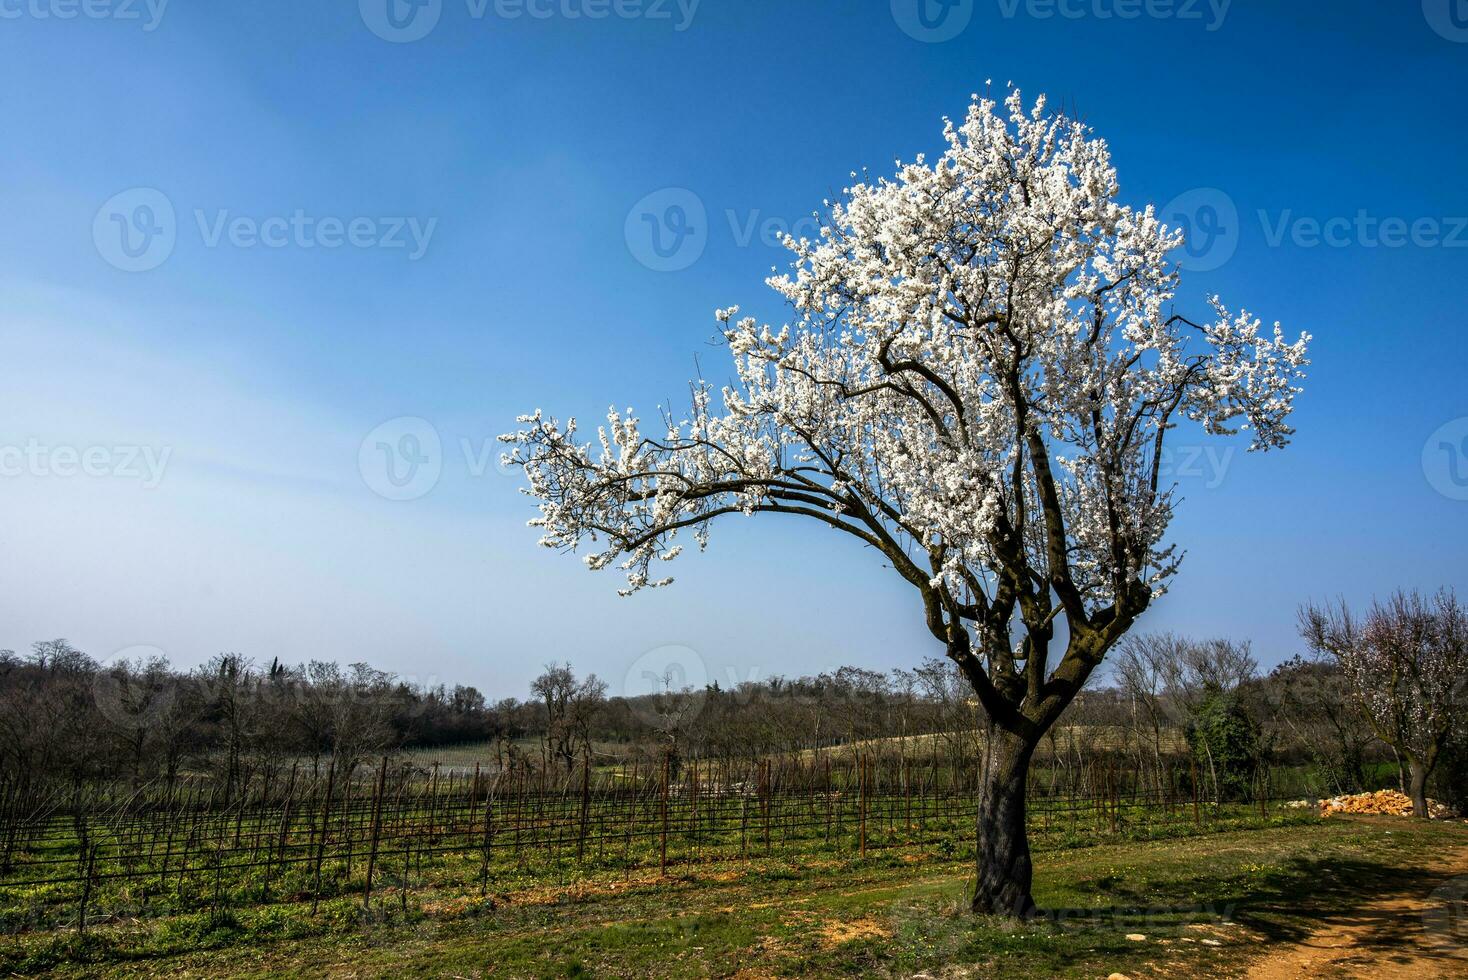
[{"x": 367, "y": 228}]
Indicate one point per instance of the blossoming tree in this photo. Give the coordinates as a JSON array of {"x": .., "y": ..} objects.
[
  {"x": 1406, "y": 662},
  {"x": 979, "y": 374}
]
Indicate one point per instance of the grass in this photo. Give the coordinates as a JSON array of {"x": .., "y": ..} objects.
[
  {"x": 215, "y": 862},
  {"x": 1206, "y": 905}
]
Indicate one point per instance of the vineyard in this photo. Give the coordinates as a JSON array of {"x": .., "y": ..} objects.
[{"x": 393, "y": 833}]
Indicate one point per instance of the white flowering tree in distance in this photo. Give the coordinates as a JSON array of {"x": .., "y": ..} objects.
[
  {"x": 1406, "y": 661},
  {"x": 979, "y": 374}
]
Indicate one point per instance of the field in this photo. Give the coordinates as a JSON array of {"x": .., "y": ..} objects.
[
  {"x": 1208, "y": 905},
  {"x": 841, "y": 862},
  {"x": 104, "y": 853}
]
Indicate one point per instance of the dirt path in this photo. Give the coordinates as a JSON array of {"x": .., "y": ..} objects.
[{"x": 1419, "y": 934}]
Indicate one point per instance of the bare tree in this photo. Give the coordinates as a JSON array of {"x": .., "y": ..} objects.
[
  {"x": 1147, "y": 667},
  {"x": 570, "y": 706},
  {"x": 1318, "y": 708}
]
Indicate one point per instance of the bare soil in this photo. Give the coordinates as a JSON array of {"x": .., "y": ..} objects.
[{"x": 1419, "y": 932}]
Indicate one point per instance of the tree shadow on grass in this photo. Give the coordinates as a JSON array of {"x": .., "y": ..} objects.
[{"x": 1389, "y": 911}]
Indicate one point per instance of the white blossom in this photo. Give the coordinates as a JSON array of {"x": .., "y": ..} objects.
[{"x": 981, "y": 368}]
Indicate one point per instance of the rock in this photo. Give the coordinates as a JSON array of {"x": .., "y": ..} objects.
[
  {"x": 1386, "y": 801},
  {"x": 1136, "y": 937},
  {"x": 1118, "y": 976}
]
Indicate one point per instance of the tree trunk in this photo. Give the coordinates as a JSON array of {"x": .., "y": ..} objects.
[
  {"x": 1003, "y": 863},
  {"x": 1418, "y": 787}
]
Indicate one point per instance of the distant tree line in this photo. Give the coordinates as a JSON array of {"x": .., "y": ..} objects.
[
  {"x": 63, "y": 715},
  {"x": 1170, "y": 702}
]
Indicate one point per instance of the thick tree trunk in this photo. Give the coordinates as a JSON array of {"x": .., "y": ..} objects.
[
  {"x": 1004, "y": 869},
  {"x": 1418, "y": 788}
]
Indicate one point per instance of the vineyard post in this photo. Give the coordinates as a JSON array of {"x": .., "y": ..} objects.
[
  {"x": 585, "y": 804},
  {"x": 432, "y": 801},
  {"x": 321, "y": 841},
  {"x": 765, "y": 800},
  {"x": 84, "y": 851},
  {"x": 630, "y": 814},
  {"x": 346, "y": 822},
  {"x": 87, "y": 887},
  {"x": 519, "y": 780},
  {"x": 474, "y": 795},
  {"x": 407, "y": 868},
  {"x": 540, "y": 822},
  {"x": 239, "y": 818},
  {"x": 663, "y": 852},
  {"x": 194, "y": 819},
  {"x": 889, "y": 802},
  {"x": 1197, "y": 813},
  {"x": 693, "y": 816},
  {"x": 1095, "y": 797},
  {"x": 171, "y": 818},
  {"x": 376, "y": 831},
  {"x": 285, "y": 823},
  {"x": 826, "y": 759},
  {"x": 488, "y": 839},
  {"x": 744, "y": 820},
  {"x": 907, "y": 790},
  {"x": 1115, "y": 796}
]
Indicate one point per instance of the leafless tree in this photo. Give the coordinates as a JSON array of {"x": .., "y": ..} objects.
[{"x": 570, "y": 706}]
